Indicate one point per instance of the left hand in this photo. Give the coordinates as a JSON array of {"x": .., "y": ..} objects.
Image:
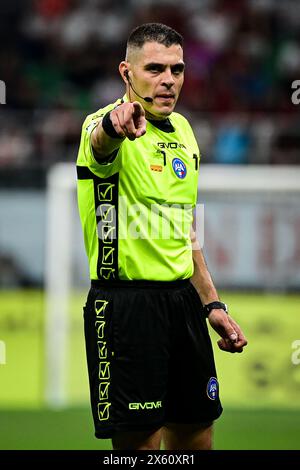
[{"x": 232, "y": 338}]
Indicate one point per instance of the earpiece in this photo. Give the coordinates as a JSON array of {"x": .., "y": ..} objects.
[{"x": 148, "y": 99}]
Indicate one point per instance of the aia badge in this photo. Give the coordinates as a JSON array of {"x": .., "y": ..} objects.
[
  {"x": 212, "y": 388},
  {"x": 179, "y": 168}
]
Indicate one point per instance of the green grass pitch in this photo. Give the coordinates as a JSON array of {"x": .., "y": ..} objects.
[
  {"x": 260, "y": 389},
  {"x": 72, "y": 429}
]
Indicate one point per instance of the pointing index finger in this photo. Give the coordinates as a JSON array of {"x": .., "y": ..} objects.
[
  {"x": 138, "y": 109},
  {"x": 139, "y": 119}
]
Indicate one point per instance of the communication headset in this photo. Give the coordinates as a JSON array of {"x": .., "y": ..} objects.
[{"x": 148, "y": 99}]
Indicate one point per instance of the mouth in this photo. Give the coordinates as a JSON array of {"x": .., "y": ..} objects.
[{"x": 166, "y": 96}]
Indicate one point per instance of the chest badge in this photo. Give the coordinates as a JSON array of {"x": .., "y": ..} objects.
[{"x": 179, "y": 168}]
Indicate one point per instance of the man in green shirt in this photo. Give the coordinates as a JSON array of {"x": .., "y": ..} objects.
[{"x": 151, "y": 367}]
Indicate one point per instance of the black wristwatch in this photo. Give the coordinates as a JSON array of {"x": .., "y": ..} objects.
[{"x": 215, "y": 305}]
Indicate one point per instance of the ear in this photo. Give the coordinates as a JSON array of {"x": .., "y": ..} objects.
[{"x": 124, "y": 70}]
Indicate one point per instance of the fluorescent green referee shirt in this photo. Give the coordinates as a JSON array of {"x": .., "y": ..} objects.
[{"x": 136, "y": 208}]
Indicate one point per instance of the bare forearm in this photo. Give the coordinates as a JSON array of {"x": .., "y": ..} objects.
[
  {"x": 232, "y": 337},
  {"x": 201, "y": 278}
]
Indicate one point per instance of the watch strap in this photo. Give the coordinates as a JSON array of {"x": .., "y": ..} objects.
[
  {"x": 215, "y": 305},
  {"x": 108, "y": 127}
]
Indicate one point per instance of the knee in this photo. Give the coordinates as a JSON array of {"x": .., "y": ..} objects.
[
  {"x": 137, "y": 440},
  {"x": 188, "y": 437},
  {"x": 205, "y": 443}
]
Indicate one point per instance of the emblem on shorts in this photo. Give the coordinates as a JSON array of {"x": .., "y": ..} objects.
[
  {"x": 212, "y": 388},
  {"x": 179, "y": 168}
]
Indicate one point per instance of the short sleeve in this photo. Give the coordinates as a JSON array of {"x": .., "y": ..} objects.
[{"x": 86, "y": 156}]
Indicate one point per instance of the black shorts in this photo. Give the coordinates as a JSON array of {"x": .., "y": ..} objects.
[{"x": 149, "y": 354}]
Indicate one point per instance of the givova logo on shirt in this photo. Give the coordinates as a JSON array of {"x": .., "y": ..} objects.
[
  {"x": 179, "y": 168},
  {"x": 171, "y": 145}
]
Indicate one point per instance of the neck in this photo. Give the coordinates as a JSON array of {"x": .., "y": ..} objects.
[{"x": 155, "y": 118}]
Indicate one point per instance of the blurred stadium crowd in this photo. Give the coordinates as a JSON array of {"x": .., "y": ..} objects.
[{"x": 59, "y": 61}]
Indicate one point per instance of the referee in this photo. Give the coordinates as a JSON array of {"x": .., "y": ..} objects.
[{"x": 150, "y": 360}]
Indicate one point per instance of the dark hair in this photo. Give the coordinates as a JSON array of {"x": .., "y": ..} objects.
[{"x": 154, "y": 32}]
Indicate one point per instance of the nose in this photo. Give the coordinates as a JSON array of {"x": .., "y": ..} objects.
[{"x": 168, "y": 79}]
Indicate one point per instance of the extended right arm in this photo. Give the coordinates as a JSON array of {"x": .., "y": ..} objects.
[{"x": 127, "y": 120}]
